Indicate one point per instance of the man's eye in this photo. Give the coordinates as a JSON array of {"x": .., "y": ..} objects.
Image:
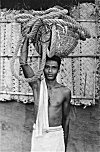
[
  {"x": 46, "y": 67},
  {"x": 54, "y": 67}
]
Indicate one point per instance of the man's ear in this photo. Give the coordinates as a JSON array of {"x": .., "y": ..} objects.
[{"x": 58, "y": 70}]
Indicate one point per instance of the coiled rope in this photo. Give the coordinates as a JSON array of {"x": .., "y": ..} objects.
[{"x": 41, "y": 28}]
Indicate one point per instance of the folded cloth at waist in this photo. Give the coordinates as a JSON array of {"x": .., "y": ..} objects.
[{"x": 51, "y": 129}]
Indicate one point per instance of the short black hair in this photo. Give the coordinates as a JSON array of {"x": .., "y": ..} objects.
[{"x": 54, "y": 58}]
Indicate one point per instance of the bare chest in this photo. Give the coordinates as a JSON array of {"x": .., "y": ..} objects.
[{"x": 55, "y": 96}]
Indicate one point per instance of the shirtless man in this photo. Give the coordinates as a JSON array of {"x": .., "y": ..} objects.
[{"x": 59, "y": 96}]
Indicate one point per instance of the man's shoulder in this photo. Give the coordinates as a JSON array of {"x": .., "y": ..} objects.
[{"x": 64, "y": 89}]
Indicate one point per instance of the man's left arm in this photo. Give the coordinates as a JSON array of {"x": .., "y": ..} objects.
[{"x": 66, "y": 111}]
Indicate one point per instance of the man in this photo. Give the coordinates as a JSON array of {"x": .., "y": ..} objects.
[{"x": 58, "y": 96}]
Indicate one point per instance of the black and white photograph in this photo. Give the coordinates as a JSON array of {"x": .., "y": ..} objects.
[{"x": 50, "y": 76}]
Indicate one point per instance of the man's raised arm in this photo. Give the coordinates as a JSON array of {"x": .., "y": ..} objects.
[{"x": 27, "y": 70}]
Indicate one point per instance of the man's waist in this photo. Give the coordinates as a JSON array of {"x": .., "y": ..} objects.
[{"x": 51, "y": 129}]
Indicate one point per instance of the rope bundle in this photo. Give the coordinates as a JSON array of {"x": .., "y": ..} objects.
[{"x": 51, "y": 32}]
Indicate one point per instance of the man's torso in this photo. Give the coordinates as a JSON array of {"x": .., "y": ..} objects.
[{"x": 56, "y": 97}]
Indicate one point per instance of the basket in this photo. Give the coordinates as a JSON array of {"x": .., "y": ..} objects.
[
  {"x": 66, "y": 44},
  {"x": 63, "y": 43}
]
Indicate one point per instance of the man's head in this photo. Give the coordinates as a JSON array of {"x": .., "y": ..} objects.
[
  {"x": 54, "y": 58},
  {"x": 52, "y": 67}
]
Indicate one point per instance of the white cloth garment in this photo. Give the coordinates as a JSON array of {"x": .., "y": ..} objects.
[
  {"x": 50, "y": 141},
  {"x": 42, "y": 115}
]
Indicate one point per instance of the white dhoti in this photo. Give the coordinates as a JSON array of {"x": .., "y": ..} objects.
[{"x": 52, "y": 140}]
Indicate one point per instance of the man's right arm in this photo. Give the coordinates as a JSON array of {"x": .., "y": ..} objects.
[{"x": 27, "y": 70}]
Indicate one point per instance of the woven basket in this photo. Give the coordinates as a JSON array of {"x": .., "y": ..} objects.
[{"x": 66, "y": 44}]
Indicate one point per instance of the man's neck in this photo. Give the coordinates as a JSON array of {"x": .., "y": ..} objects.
[{"x": 51, "y": 84}]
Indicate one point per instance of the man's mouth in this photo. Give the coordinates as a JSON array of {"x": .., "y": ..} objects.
[{"x": 50, "y": 75}]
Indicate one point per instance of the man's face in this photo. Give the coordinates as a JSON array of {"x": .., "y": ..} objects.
[{"x": 50, "y": 70}]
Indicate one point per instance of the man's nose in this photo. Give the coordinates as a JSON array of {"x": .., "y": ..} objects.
[{"x": 50, "y": 69}]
